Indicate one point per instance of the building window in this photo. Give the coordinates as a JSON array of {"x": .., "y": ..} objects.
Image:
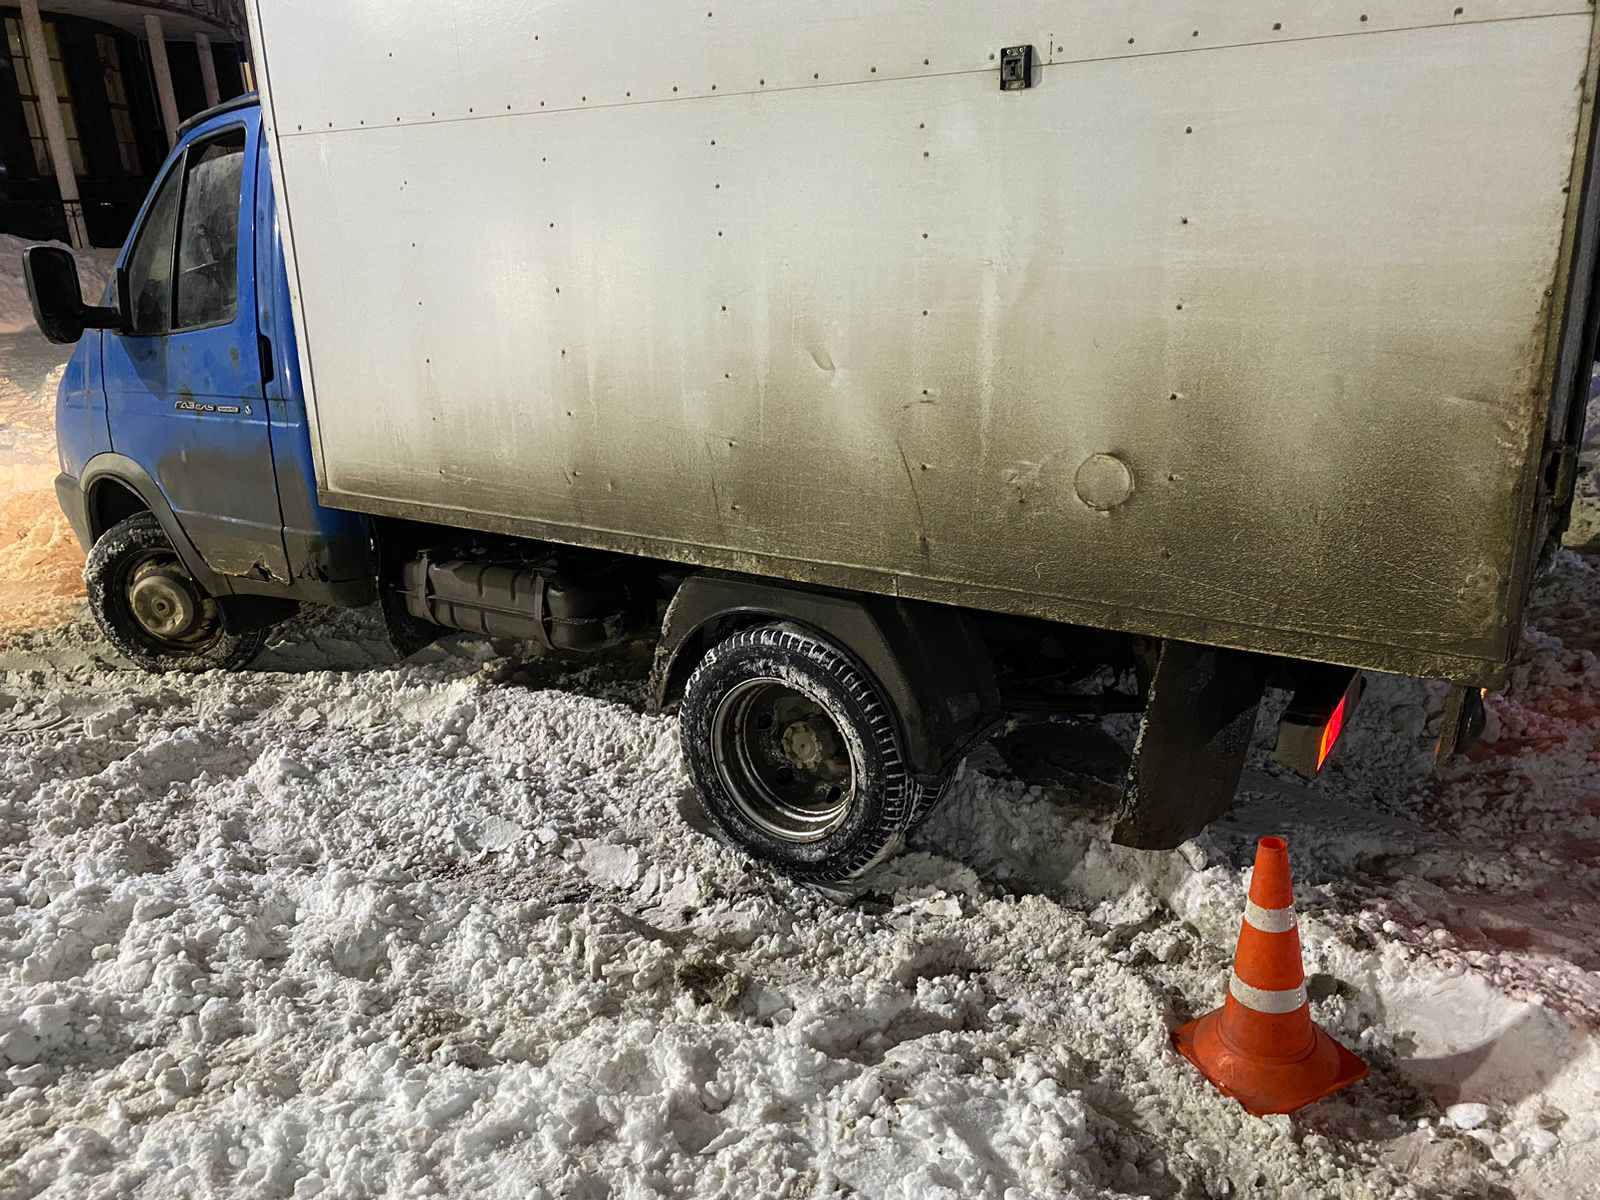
[
  {"x": 117, "y": 97},
  {"x": 28, "y": 91}
]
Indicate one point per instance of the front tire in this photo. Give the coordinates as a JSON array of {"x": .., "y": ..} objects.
[
  {"x": 795, "y": 754},
  {"x": 152, "y": 610}
]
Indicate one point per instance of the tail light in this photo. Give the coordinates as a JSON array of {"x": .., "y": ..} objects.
[{"x": 1316, "y": 718}]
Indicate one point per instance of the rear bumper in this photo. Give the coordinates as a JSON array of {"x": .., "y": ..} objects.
[{"x": 69, "y": 494}]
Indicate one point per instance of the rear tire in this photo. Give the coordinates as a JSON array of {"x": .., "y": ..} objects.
[
  {"x": 152, "y": 610},
  {"x": 796, "y": 754}
]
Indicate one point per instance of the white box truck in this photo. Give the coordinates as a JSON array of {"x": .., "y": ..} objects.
[{"x": 898, "y": 367}]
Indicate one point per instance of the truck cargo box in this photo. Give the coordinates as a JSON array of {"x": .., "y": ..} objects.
[{"x": 1232, "y": 322}]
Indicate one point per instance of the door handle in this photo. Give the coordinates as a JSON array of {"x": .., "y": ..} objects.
[{"x": 264, "y": 352}]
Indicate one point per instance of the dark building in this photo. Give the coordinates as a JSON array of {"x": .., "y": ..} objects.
[{"x": 124, "y": 74}]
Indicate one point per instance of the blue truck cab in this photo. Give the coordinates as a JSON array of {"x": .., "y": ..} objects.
[{"x": 181, "y": 407}]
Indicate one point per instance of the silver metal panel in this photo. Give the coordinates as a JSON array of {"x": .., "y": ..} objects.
[{"x": 1243, "y": 343}]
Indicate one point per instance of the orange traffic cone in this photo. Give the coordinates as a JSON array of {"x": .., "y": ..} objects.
[{"x": 1261, "y": 1046}]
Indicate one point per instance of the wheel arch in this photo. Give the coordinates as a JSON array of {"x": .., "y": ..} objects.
[
  {"x": 115, "y": 487},
  {"x": 933, "y": 667}
]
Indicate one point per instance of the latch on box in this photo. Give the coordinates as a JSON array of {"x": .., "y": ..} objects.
[{"x": 1016, "y": 68}]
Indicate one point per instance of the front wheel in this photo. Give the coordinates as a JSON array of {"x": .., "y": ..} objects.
[
  {"x": 151, "y": 609},
  {"x": 795, "y": 754}
]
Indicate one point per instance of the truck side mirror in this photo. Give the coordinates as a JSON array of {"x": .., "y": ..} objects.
[{"x": 57, "y": 297}]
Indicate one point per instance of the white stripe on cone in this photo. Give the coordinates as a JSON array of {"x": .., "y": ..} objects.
[
  {"x": 1269, "y": 920},
  {"x": 1264, "y": 1000}
]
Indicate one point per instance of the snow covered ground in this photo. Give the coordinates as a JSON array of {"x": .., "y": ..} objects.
[{"x": 346, "y": 927}]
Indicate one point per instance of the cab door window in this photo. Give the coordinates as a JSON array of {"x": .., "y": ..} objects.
[
  {"x": 208, "y": 233},
  {"x": 150, "y": 262},
  {"x": 183, "y": 269}
]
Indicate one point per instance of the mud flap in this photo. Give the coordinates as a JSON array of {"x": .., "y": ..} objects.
[{"x": 1199, "y": 715}]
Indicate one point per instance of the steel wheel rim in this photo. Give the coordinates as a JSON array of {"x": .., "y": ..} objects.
[
  {"x": 783, "y": 760},
  {"x": 168, "y": 610}
]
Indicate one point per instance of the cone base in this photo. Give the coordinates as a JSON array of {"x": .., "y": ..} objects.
[{"x": 1265, "y": 1085}]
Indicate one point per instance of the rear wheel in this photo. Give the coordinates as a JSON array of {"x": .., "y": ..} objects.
[
  {"x": 152, "y": 610},
  {"x": 795, "y": 754}
]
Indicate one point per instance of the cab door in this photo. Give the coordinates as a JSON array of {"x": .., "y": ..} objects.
[{"x": 183, "y": 385}]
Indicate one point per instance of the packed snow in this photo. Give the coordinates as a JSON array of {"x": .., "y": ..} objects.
[{"x": 344, "y": 926}]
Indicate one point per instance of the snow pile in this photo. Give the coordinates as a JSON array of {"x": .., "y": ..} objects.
[{"x": 16, "y": 315}]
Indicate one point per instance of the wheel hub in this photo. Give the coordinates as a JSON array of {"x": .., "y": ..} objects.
[
  {"x": 810, "y": 743},
  {"x": 164, "y": 601}
]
